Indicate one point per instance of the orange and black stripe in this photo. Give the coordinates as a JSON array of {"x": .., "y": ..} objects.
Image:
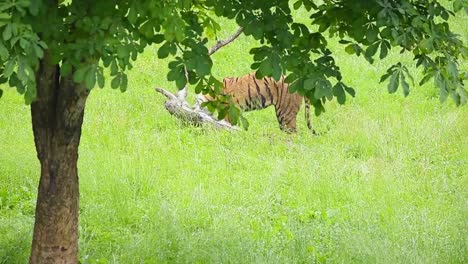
[{"x": 250, "y": 93}]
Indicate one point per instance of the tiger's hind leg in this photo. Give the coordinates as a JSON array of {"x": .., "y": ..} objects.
[{"x": 307, "y": 115}]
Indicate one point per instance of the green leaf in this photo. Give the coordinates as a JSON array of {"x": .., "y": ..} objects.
[
  {"x": 323, "y": 89},
  {"x": 457, "y": 5},
  {"x": 384, "y": 49},
  {"x": 456, "y": 97},
  {"x": 371, "y": 34},
  {"x": 350, "y": 49},
  {"x": 244, "y": 122},
  {"x": 34, "y": 7},
  {"x": 30, "y": 73},
  {"x": 290, "y": 78},
  {"x": 13, "y": 81},
  {"x": 4, "y": 16},
  {"x": 350, "y": 91},
  {"x": 176, "y": 72},
  {"x": 211, "y": 27},
  {"x": 9, "y": 67},
  {"x": 123, "y": 83},
  {"x": 186, "y": 4},
  {"x": 297, "y": 5},
  {"x": 425, "y": 79},
  {"x": 427, "y": 45},
  {"x": 24, "y": 44},
  {"x": 358, "y": 29},
  {"x": 114, "y": 68},
  {"x": 4, "y": 54},
  {"x": 318, "y": 107},
  {"x": 339, "y": 93},
  {"x": 385, "y": 77},
  {"x": 21, "y": 71},
  {"x": 296, "y": 85},
  {"x": 30, "y": 94},
  {"x": 1, "y": 93},
  {"x": 309, "y": 84},
  {"x": 174, "y": 29},
  {"x": 393, "y": 84},
  {"x": 222, "y": 111},
  {"x": 452, "y": 69},
  {"x": 65, "y": 69},
  {"x": 445, "y": 15},
  {"x": 443, "y": 93},
  {"x": 147, "y": 29},
  {"x": 404, "y": 85},
  {"x": 42, "y": 44},
  {"x": 372, "y": 49},
  {"x": 276, "y": 63},
  {"x": 122, "y": 52},
  {"x": 100, "y": 77},
  {"x": 7, "y": 32},
  {"x": 203, "y": 65},
  {"x": 265, "y": 69},
  {"x": 20, "y": 88},
  {"x": 39, "y": 52},
  {"x": 90, "y": 78},
  {"x": 132, "y": 14},
  {"x": 233, "y": 114},
  {"x": 115, "y": 83},
  {"x": 408, "y": 74},
  {"x": 463, "y": 95},
  {"x": 181, "y": 82},
  {"x": 164, "y": 50},
  {"x": 255, "y": 65},
  {"x": 309, "y": 4},
  {"x": 199, "y": 87},
  {"x": 80, "y": 74},
  {"x": 133, "y": 56},
  {"x": 254, "y": 28}
]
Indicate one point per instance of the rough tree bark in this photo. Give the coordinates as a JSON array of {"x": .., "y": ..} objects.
[
  {"x": 178, "y": 106},
  {"x": 57, "y": 117}
]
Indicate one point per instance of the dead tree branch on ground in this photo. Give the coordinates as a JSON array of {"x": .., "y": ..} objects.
[{"x": 178, "y": 106}]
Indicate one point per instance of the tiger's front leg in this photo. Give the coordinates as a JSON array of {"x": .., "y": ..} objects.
[
  {"x": 287, "y": 120},
  {"x": 289, "y": 127},
  {"x": 286, "y": 113}
]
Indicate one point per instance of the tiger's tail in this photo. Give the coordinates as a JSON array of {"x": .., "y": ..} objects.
[{"x": 307, "y": 114}]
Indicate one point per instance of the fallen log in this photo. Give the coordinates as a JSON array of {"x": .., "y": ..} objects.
[
  {"x": 195, "y": 116},
  {"x": 178, "y": 106}
]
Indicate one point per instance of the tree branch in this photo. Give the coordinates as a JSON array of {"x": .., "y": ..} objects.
[{"x": 221, "y": 43}]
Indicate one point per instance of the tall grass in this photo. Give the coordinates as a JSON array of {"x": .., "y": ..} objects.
[{"x": 385, "y": 182}]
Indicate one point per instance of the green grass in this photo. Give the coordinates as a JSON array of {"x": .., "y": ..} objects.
[{"x": 386, "y": 182}]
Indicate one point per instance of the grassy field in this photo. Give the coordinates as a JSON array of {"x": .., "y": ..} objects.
[{"x": 385, "y": 182}]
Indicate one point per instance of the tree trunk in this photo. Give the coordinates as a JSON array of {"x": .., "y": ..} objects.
[{"x": 57, "y": 117}]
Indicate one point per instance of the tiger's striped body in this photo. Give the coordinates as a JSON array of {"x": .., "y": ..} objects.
[{"x": 250, "y": 93}]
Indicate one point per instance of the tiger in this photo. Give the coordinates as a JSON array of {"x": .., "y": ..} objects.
[{"x": 249, "y": 93}]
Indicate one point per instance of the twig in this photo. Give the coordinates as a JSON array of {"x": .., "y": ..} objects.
[{"x": 169, "y": 95}]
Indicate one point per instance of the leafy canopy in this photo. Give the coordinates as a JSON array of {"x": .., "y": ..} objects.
[{"x": 82, "y": 37}]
